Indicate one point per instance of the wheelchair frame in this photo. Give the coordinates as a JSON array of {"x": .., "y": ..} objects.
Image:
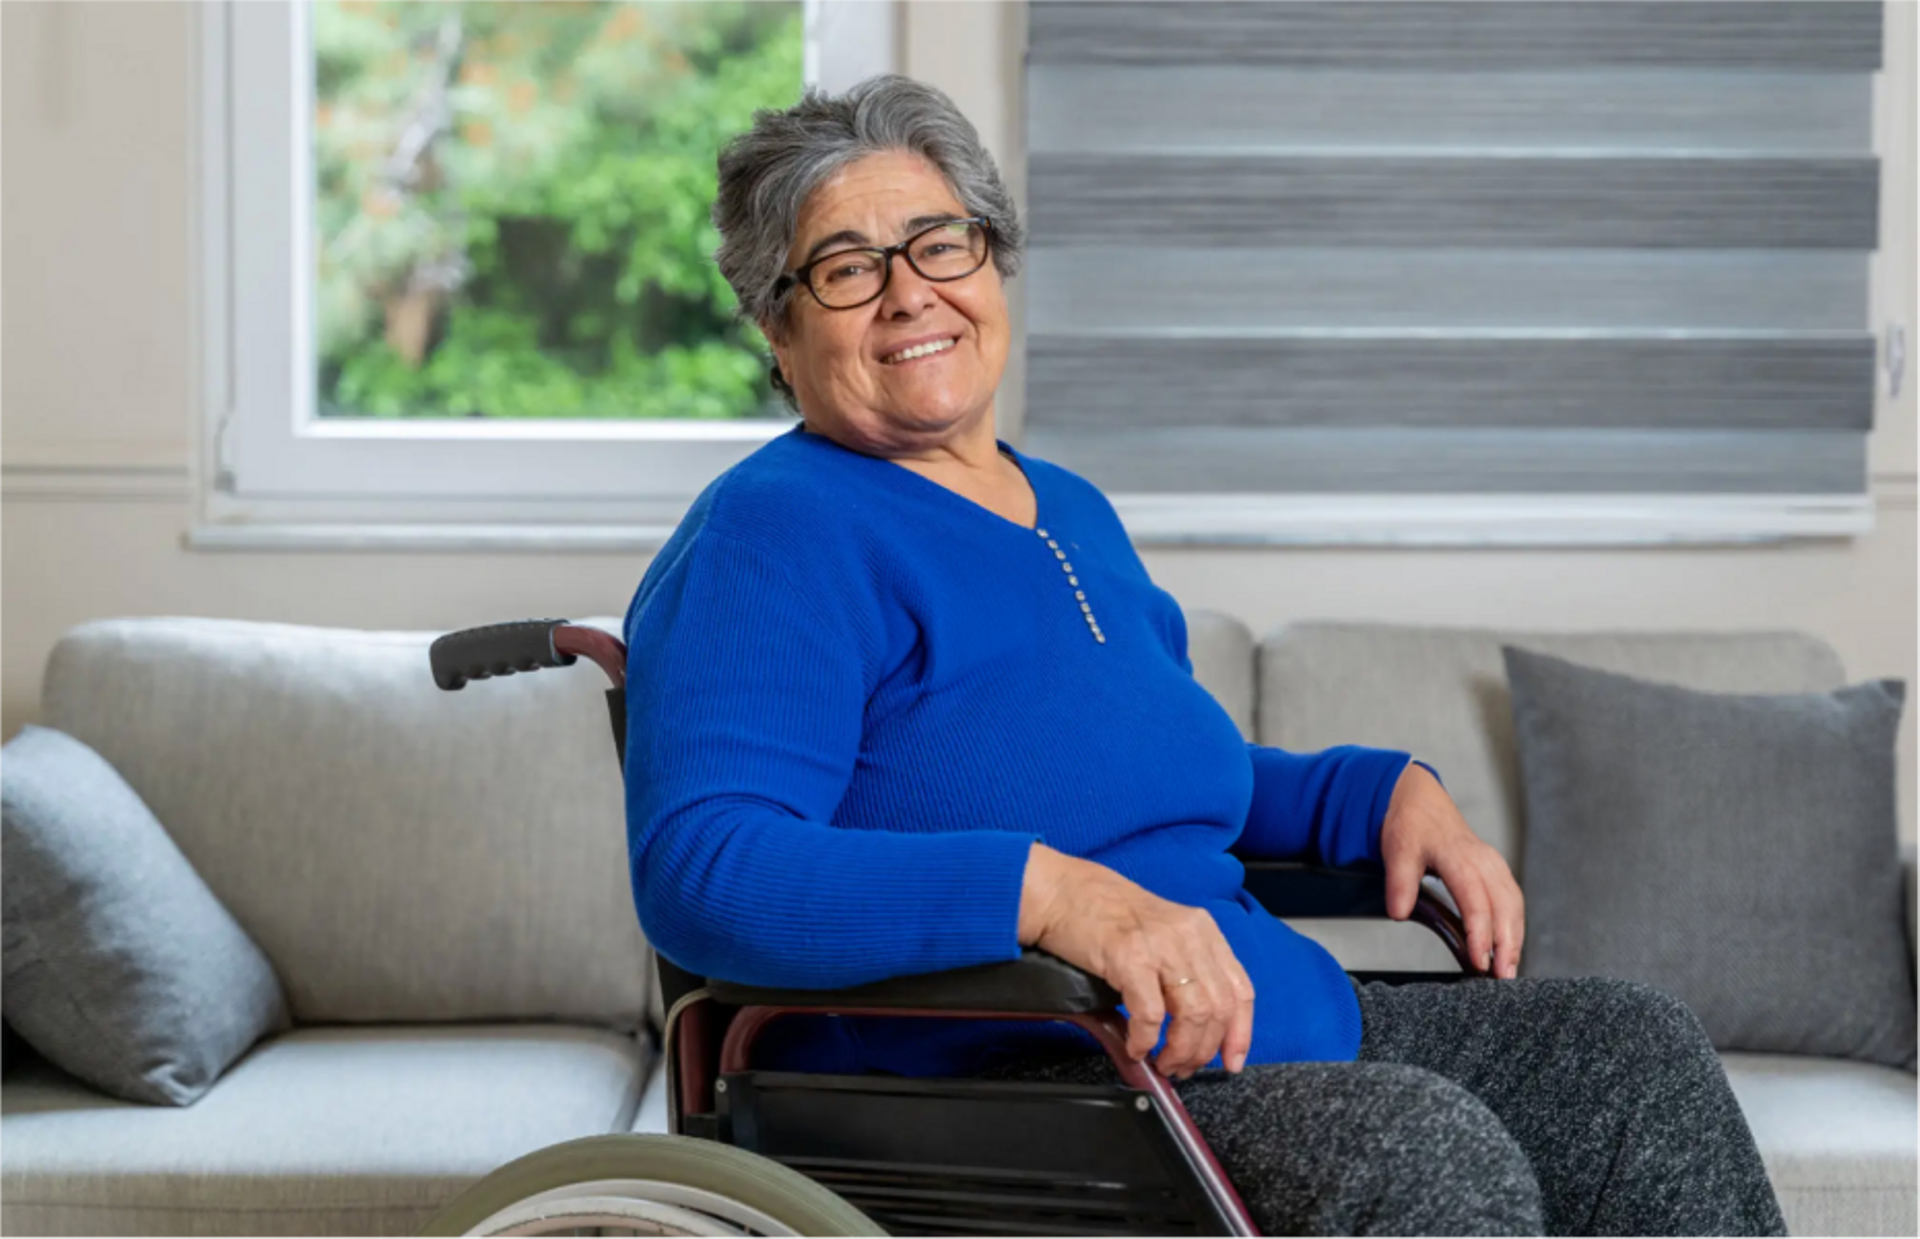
[{"x": 937, "y": 1156}]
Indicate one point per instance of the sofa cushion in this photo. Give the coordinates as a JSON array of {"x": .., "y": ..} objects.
[
  {"x": 322, "y": 1131},
  {"x": 1365, "y": 944},
  {"x": 1441, "y": 693},
  {"x": 1838, "y": 1139},
  {"x": 650, "y": 1116},
  {"x": 1736, "y": 850},
  {"x": 1907, "y": 862},
  {"x": 1220, "y": 648},
  {"x": 120, "y": 965},
  {"x": 377, "y": 836}
]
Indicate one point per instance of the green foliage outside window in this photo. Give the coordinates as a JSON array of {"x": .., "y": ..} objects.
[{"x": 511, "y": 205}]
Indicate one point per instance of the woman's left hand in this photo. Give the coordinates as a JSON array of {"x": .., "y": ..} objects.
[{"x": 1424, "y": 832}]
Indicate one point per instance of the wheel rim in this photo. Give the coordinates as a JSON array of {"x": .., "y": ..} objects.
[
  {"x": 639, "y": 1206},
  {"x": 602, "y": 1215}
]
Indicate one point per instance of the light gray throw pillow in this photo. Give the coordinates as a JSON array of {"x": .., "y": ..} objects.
[
  {"x": 1737, "y": 851},
  {"x": 120, "y": 966}
]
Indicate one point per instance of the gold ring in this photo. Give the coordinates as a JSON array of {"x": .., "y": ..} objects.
[{"x": 1183, "y": 981}]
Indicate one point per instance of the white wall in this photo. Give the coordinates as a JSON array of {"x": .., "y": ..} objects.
[{"x": 98, "y": 417}]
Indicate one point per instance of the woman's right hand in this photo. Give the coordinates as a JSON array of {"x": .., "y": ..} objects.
[{"x": 1143, "y": 946}]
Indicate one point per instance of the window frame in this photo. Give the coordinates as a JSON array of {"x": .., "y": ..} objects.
[{"x": 273, "y": 473}]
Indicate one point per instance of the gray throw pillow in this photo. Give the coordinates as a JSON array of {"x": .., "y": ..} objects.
[
  {"x": 1737, "y": 851},
  {"x": 120, "y": 966}
]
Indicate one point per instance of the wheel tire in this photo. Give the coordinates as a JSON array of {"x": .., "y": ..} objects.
[{"x": 755, "y": 1181}]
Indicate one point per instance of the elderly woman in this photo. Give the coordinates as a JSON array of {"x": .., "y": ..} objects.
[{"x": 902, "y": 698}]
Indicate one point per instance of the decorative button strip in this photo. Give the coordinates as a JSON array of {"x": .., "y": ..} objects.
[{"x": 1079, "y": 595}]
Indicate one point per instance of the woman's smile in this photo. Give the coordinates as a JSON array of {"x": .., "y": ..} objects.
[{"x": 926, "y": 350}]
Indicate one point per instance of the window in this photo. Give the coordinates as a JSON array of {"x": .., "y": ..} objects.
[{"x": 457, "y": 256}]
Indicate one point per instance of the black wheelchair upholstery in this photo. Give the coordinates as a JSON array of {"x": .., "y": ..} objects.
[{"x": 1036, "y": 982}]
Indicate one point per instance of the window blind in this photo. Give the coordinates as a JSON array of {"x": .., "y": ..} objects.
[{"x": 1568, "y": 257}]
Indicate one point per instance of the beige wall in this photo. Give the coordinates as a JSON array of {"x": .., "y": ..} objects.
[{"x": 98, "y": 417}]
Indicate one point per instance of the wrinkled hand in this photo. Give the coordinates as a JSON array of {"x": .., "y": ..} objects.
[
  {"x": 1423, "y": 832},
  {"x": 1143, "y": 946}
]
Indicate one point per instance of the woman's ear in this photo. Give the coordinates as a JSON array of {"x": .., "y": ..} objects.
[{"x": 781, "y": 344}]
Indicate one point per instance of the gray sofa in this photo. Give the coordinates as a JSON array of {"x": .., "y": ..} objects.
[{"x": 440, "y": 881}]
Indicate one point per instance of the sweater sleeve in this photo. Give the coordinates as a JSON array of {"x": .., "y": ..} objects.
[
  {"x": 1326, "y": 806},
  {"x": 744, "y": 714}
]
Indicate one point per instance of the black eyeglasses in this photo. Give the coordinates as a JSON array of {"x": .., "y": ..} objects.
[{"x": 950, "y": 250}]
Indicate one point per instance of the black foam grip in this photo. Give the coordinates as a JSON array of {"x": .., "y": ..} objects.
[{"x": 496, "y": 649}]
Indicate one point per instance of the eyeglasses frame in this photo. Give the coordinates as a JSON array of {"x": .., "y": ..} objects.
[{"x": 803, "y": 275}]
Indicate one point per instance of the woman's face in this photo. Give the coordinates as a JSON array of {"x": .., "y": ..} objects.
[{"x": 838, "y": 361}]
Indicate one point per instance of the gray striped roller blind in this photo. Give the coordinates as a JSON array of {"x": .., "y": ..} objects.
[{"x": 1356, "y": 248}]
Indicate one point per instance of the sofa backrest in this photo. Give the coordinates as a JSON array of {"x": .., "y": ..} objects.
[
  {"x": 407, "y": 854},
  {"x": 400, "y": 853},
  {"x": 1442, "y": 694},
  {"x": 1220, "y": 648}
]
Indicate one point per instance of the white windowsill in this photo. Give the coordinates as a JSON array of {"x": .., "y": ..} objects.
[
  {"x": 1350, "y": 521},
  {"x": 619, "y": 539},
  {"x": 1489, "y": 521}
]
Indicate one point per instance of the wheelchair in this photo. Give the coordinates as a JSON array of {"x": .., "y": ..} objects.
[{"x": 781, "y": 1153}]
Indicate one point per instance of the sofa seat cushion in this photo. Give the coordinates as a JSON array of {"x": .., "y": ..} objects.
[
  {"x": 1838, "y": 1137},
  {"x": 343, "y": 1131}
]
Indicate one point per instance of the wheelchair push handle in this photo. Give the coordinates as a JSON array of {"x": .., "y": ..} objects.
[{"x": 523, "y": 645}]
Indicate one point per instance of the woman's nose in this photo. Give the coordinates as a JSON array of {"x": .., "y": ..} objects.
[{"x": 908, "y": 292}]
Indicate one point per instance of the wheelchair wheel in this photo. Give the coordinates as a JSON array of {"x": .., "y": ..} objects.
[{"x": 647, "y": 1185}]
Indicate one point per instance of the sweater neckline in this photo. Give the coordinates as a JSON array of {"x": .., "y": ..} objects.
[{"x": 915, "y": 481}]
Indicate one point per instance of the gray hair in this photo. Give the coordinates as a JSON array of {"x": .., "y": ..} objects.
[{"x": 767, "y": 173}]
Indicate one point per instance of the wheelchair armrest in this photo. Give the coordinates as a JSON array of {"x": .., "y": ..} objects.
[
  {"x": 1288, "y": 888},
  {"x": 1043, "y": 984},
  {"x": 1036, "y": 982}
]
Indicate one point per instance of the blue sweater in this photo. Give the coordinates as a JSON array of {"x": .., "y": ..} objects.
[{"x": 856, "y": 698}]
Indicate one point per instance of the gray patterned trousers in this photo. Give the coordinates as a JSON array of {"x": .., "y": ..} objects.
[{"x": 1535, "y": 1106}]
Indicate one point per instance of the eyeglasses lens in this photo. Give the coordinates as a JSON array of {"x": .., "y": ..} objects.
[{"x": 947, "y": 252}]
